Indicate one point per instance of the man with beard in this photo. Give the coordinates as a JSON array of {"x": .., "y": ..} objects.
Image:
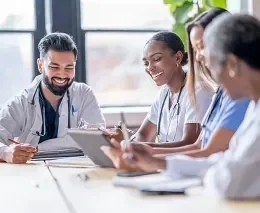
[{"x": 40, "y": 115}]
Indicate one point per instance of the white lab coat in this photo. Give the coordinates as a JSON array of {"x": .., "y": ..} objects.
[
  {"x": 234, "y": 173},
  {"x": 237, "y": 174},
  {"x": 22, "y": 117}
]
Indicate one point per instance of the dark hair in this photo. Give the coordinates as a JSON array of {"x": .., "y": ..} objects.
[
  {"x": 57, "y": 41},
  {"x": 237, "y": 34},
  {"x": 172, "y": 41},
  {"x": 203, "y": 20}
]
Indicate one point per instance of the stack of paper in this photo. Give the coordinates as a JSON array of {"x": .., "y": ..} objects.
[{"x": 140, "y": 180}]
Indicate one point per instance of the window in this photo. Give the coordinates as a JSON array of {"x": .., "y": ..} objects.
[
  {"x": 115, "y": 34},
  {"x": 16, "y": 64},
  {"x": 17, "y": 25},
  {"x": 18, "y": 17},
  {"x": 118, "y": 14}
]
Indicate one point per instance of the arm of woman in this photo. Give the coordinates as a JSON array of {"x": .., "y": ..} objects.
[
  {"x": 219, "y": 141},
  {"x": 230, "y": 119},
  {"x": 191, "y": 131},
  {"x": 148, "y": 129},
  {"x": 146, "y": 132},
  {"x": 194, "y": 146}
]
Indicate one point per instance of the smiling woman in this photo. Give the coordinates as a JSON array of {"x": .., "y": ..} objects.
[{"x": 173, "y": 117}]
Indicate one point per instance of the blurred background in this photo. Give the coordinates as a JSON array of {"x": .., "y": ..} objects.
[{"x": 110, "y": 35}]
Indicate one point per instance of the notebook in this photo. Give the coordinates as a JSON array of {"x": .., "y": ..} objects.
[{"x": 55, "y": 154}]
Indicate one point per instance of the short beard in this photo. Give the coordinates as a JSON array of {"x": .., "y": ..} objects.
[{"x": 56, "y": 90}]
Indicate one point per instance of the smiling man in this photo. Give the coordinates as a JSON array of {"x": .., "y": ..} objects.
[{"x": 54, "y": 102}]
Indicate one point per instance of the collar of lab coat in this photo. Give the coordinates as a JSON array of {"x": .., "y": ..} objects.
[
  {"x": 32, "y": 91},
  {"x": 32, "y": 95}
]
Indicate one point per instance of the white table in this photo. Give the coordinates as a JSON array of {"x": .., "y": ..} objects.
[{"x": 31, "y": 188}]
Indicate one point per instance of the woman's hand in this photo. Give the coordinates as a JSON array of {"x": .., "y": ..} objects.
[
  {"x": 139, "y": 155},
  {"x": 115, "y": 154},
  {"x": 116, "y": 134}
]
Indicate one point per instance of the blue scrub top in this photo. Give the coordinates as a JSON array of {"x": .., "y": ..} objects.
[
  {"x": 224, "y": 113},
  {"x": 51, "y": 118}
]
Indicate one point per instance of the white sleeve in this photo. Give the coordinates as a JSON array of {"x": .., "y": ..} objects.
[
  {"x": 182, "y": 165},
  {"x": 12, "y": 119},
  {"x": 153, "y": 114},
  {"x": 237, "y": 174},
  {"x": 195, "y": 114}
]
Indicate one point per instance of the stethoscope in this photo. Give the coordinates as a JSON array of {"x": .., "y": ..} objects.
[
  {"x": 43, "y": 112},
  {"x": 219, "y": 93},
  {"x": 176, "y": 106}
]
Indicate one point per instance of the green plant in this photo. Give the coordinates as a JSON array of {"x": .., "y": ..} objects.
[{"x": 184, "y": 11}]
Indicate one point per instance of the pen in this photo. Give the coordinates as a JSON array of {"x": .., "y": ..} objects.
[
  {"x": 13, "y": 141},
  {"x": 125, "y": 143},
  {"x": 119, "y": 125},
  {"x": 16, "y": 142},
  {"x": 131, "y": 139},
  {"x": 125, "y": 132},
  {"x": 123, "y": 126}
]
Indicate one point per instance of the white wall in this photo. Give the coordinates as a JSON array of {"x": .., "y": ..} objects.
[
  {"x": 245, "y": 6},
  {"x": 254, "y": 8},
  {"x": 236, "y": 6}
]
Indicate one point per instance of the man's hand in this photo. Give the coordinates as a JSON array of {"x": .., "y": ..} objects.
[{"x": 18, "y": 153}]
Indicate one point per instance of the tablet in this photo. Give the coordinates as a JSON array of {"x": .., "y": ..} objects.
[{"x": 90, "y": 142}]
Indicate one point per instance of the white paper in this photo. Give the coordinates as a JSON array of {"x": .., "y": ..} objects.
[{"x": 160, "y": 182}]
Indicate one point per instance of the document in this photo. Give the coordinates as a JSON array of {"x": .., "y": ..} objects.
[
  {"x": 157, "y": 182},
  {"x": 58, "y": 144},
  {"x": 58, "y": 148},
  {"x": 140, "y": 180}
]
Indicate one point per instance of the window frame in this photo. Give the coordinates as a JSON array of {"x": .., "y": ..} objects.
[
  {"x": 87, "y": 30},
  {"x": 37, "y": 33},
  {"x": 69, "y": 21}
]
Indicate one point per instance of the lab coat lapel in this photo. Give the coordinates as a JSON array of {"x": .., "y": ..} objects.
[
  {"x": 63, "y": 116},
  {"x": 32, "y": 137}
]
